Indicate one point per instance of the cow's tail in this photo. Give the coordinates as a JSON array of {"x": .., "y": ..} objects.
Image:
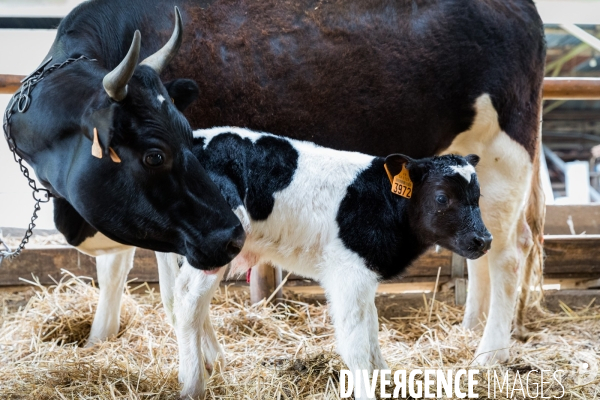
[{"x": 535, "y": 215}]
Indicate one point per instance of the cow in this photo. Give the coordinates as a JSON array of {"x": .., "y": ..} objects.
[
  {"x": 421, "y": 77},
  {"x": 100, "y": 135},
  {"x": 324, "y": 214}
]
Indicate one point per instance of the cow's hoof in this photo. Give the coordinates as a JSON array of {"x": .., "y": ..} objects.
[
  {"x": 490, "y": 357},
  {"x": 523, "y": 334}
]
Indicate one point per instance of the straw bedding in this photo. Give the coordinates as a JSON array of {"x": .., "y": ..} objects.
[{"x": 273, "y": 352}]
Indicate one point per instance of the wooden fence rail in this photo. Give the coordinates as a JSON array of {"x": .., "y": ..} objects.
[
  {"x": 554, "y": 88},
  {"x": 567, "y": 257}
]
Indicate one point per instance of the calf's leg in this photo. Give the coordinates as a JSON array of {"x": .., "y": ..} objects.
[
  {"x": 350, "y": 288},
  {"x": 112, "y": 272},
  {"x": 186, "y": 293}
]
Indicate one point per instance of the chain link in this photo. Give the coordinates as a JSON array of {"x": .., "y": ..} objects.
[{"x": 22, "y": 99}]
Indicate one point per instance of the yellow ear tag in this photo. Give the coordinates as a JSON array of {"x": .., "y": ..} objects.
[{"x": 402, "y": 185}]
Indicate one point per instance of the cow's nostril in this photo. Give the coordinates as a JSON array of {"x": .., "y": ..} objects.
[{"x": 234, "y": 246}]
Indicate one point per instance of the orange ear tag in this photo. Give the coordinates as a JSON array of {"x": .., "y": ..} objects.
[
  {"x": 402, "y": 185},
  {"x": 96, "y": 149},
  {"x": 113, "y": 156}
]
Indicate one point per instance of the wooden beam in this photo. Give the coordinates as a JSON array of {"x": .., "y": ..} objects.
[
  {"x": 10, "y": 83},
  {"x": 264, "y": 279},
  {"x": 568, "y": 257},
  {"x": 571, "y": 89},
  {"x": 553, "y": 89}
]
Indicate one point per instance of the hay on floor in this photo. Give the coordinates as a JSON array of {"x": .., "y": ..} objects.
[{"x": 273, "y": 352}]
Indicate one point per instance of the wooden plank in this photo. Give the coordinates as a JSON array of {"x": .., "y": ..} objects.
[
  {"x": 10, "y": 83},
  {"x": 571, "y": 89},
  {"x": 263, "y": 281},
  {"x": 568, "y": 257},
  {"x": 585, "y": 218},
  {"x": 46, "y": 263}
]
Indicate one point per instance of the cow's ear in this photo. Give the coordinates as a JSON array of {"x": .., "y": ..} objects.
[
  {"x": 183, "y": 92},
  {"x": 416, "y": 168},
  {"x": 472, "y": 159},
  {"x": 102, "y": 121}
]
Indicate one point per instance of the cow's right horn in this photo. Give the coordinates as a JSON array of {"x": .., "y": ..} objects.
[
  {"x": 115, "y": 82},
  {"x": 159, "y": 60}
]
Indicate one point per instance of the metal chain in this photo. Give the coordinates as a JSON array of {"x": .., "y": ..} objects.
[{"x": 22, "y": 99}]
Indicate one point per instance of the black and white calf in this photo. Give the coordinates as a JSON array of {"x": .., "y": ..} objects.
[{"x": 324, "y": 214}]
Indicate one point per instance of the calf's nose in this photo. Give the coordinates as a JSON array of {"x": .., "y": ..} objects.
[{"x": 482, "y": 242}]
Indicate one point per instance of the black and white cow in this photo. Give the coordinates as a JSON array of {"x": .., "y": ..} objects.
[
  {"x": 324, "y": 214},
  {"x": 114, "y": 153}
]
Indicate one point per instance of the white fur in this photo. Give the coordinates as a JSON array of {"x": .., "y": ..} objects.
[
  {"x": 161, "y": 98},
  {"x": 464, "y": 170},
  {"x": 504, "y": 173},
  {"x": 99, "y": 245},
  {"x": 113, "y": 263},
  {"x": 186, "y": 293},
  {"x": 210, "y": 133}
]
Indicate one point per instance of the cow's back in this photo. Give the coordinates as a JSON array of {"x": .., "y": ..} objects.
[{"x": 378, "y": 76}]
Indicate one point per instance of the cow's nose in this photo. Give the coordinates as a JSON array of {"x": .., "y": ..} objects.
[
  {"x": 482, "y": 242},
  {"x": 237, "y": 242}
]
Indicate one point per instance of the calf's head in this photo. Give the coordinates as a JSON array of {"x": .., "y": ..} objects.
[
  {"x": 113, "y": 144},
  {"x": 444, "y": 206}
]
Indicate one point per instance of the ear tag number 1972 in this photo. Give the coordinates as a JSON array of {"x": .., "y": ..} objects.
[{"x": 402, "y": 185}]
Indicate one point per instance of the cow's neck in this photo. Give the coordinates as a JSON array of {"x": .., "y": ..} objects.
[
  {"x": 104, "y": 30},
  {"x": 48, "y": 134}
]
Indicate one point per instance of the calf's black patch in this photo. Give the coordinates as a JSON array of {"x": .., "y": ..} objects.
[
  {"x": 249, "y": 173},
  {"x": 374, "y": 223}
]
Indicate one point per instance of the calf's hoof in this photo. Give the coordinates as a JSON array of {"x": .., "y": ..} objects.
[{"x": 195, "y": 392}]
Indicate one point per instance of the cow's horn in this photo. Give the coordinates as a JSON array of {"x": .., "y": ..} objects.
[
  {"x": 159, "y": 60},
  {"x": 115, "y": 82}
]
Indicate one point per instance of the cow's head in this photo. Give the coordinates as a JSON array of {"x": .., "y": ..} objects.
[
  {"x": 444, "y": 207},
  {"x": 113, "y": 144}
]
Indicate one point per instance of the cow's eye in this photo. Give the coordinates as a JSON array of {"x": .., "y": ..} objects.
[
  {"x": 154, "y": 159},
  {"x": 441, "y": 199}
]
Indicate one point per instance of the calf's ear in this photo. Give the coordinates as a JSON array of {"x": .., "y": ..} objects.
[
  {"x": 183, "y": 92},
  {"x": 416, "y": 168},
  {"x": 394, "y": 163},
  {"x": 472, "y": 159}
]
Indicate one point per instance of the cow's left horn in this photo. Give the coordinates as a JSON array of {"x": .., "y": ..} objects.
[
  {"x": 159, "y": 60},
  {"x": 115, "y": 82}
]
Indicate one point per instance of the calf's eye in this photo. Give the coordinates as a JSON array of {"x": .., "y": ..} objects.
[
  {"x": 441, "y": 199},
  {"x": 154, "y": 159}
]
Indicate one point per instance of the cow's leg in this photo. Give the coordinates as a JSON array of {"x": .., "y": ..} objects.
[
  {"x": 193, "y": 291},
  {"x": 478, "y": 294},
  {"x": 504, "y": 173},
  {"x": 168, "y": 270},
  {"x": 350, "y": 288},
  {"x": 112, "y": 272}
]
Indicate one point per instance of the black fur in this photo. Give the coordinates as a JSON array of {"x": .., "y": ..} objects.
[
  {"x": 249, "y": 173},
  {"x": 70, "y": 224}
]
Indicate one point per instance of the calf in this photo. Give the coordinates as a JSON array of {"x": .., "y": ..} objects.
[{"x": 327, "y": 215}]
